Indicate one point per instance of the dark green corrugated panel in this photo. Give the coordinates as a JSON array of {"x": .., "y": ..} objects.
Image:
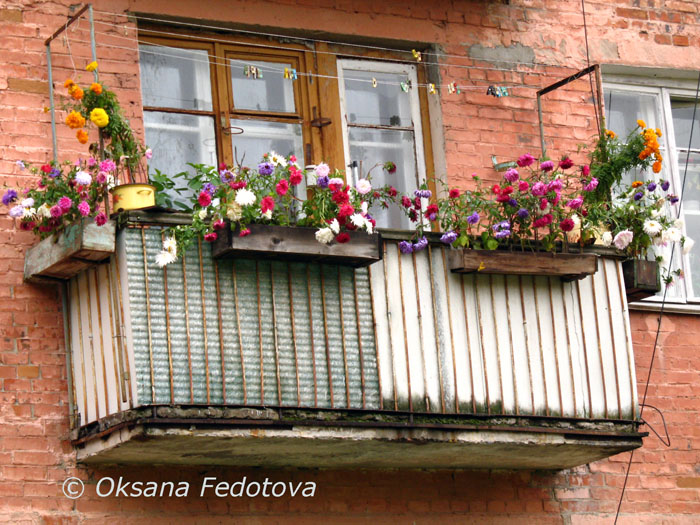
[{"x": 319, "y": 304}]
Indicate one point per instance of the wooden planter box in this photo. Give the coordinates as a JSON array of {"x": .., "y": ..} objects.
[
  {"x": 642, "y": 279},
  {"x": 293, "y": 243},
  {"x": 78, "y": 247},
  {"x": 568, "y": 266}
]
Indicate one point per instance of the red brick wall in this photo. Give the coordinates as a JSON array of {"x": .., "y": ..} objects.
[{"x": 35, "y": 455}]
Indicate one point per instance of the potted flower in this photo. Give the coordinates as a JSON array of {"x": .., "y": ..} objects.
[
  {"x": 116, "y": 140},
  {"x": 254, "y": 212},
  {"x": 518, "y": 226}
]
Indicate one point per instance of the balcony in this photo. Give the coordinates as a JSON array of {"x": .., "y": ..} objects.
[{"x": 398, "y": 364}]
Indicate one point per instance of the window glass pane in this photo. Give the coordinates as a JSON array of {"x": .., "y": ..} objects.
[
  {"x": 175, "y": 78},
  {"x": 178, "y": 139},
  {"x": 385, "y": 105},
  {"x": 692, "y": 227},
  {"x": 261, "y": 136},
  {"x": 682, "y": 111},
  {"x": 370, "y": 147},
  {"x": 623, "y": 109},
  {"x": 272, "y": 92}
]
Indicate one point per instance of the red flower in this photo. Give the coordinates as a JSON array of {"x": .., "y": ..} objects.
[
  {"x": 392, "y": 191},
  {"x": 390, "y": 167},
  {"x": 566, "y": 163},
  {"x": 282, "y": 187},
  {"x": 334, "y": 186},
  {"x": 340, "y": 197},
  {"x": 503, "y": 197},
  {"x": 210, "y": 237},
  {"x": 46, "y": 168},
  {"x": 222, "y": 166},
  {"x": 244, "y": 233},
  {"x": 454, "y": 193},
  {"x": 346, "y": 210},
  {"x": 523, "y": 186},
  {"x": 219, "y": 225},
  {"x": 100, "y": 219},
  {"x": 27, "y": 226},
  {"x": 293, "y": 158},
  {"x": 405, "y": 202},
  {"x": 585, "y": 170},
  {"x": 377, "y": 194},
  {"x": 584, "y": 212},
  {"x": 204, "y": 199},
  {"x": 508, "y": 190},
  {"x": 267, "y": 203},
  {"x": 496, "y": 189},
  {"x": 433, "y": 208},
  {"x": 294, "y": 175},
  {"x": 416, "y": 203},
  {"x": 567, "y": 225},
  {"x": 342, "y": 237},
  {"x": 413, "y": 215},
  {"x": 543, "y": 204},
  {"x": 238, "y": 185}
]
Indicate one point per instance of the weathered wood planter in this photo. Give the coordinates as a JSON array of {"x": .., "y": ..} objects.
[
  {"x": 568, "y": 266},
  {"x": 78, "y": 247},
  {"x": 641, "y": 279},
  {"x": 293, "y": 243}
]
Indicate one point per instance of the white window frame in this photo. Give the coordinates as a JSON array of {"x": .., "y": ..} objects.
[
  {"x": 377, "y": 66},
  {"x": 664, "y": 90}
]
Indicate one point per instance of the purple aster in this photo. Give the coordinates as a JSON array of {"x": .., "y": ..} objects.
[
  {"x": 16, "y": 212},
  {"x": 209, "y": 188},
  {"x": 449, "y": 237},
  {"x": 322, "y": 182},
  {"x": 473, "y": 218},
  {"x": 226, "y": 176},
  {"x": 672, "y": 199},
  {"x": 265, "y": 168},
  {"x": 404, "y": 246},
  {"x": 638, "y": 195},
  {"x": 502, "y": 234},
  {"x": 665, "y": 185},
  {"x": 555, "y": 185},
  {"x": 20, "y": 164},
  {"x": 513, "y": 203},
  {"x": 538, "y": 189},
  {"x": 421, "y": 244},
  {"x": 55, "y": 172},
  {"x": 547, "y": 165},
  {"x": 511, "y": 175},
  {"x": 10, "y": 196},
  {"x": 651, "y": 186},
  {"x": 523, "y": 213}
]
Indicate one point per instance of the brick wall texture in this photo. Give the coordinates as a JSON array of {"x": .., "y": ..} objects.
[{"x": 35, "y": 454}]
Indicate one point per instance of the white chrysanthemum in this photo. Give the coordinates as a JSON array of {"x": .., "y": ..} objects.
[
  {"x": 164, "y": 258},
  {"x": 673, "y": 235},
  {"x": 606, "y": 238},
  {"x": 83, "y": 178},
  {"x": 215, "y": 203},
  {"x": 203, "y": 213},
  {"x": 234, "y": 211},
  {"x": 364, "y": 207},
  {"x": 678, "y": 223},
  {"x": 325, "y": 235},
  {"x": 267, "y": 214},
  {"x": 363, "y": 186},
  {"x": 27, "y": 203},
  {"x": 652, "y": 227},
  {"x": 170, "y": 245},
  {"x": 688, "y": 244},
  {"x": 368, "y": 226},
  {"x": 44, "y": 211},
  {"x": 335, "y": 226},
  {"x": 245, "y": 197},
  {"x": 358, "y": 220},
  {"x": 29, "y": 213}
]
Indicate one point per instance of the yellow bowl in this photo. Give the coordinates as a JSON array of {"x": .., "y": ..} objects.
[{"x": 133, "y": 196}]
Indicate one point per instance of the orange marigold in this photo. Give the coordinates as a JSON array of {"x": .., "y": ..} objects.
[
  {"x": 77, "y": 93},
  {"x": 96, "y": 88},
  {"x": 82, "y": 136},
  {"x": 68, "y": 83},
  {"x": 656, "y": 166},
  {"x": 610, "y": 133},
  {"x": 75, "y": 120},
  {"x": 637, "y": 184}
]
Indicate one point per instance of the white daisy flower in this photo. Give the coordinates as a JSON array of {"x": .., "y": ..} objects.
[
  {"x": 245, "y": 197},
  {"x": 652, "y": 227},
  {"x": 277, "y": 159},
  {"x": 325, "y": 235},
  {"x": 44, "y": 211},
  {"x": 164, "y": 258},
  {"x": 29, "y": 213}
]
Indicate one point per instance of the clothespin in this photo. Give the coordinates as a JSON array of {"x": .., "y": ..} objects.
[
  {"x": 453, "y": 88},
  {"x": 290, "y": 73},
  {"x": 431, "y": 89},
  {"x": 417, "y": 55},
  {"x": 374, "y": 82},
  {"x": 504, "y": 91},
  {"x": 246, "y": 71},
  {"x": 405, "y": 86}
]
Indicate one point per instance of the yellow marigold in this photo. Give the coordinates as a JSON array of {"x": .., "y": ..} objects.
[
  {"x": 610, "y": 133},
  {"x": 656, "y": 166},
  {"x": 99, "y": 117},
  {"x": 75, "y": 120},
  {"x": 92, "y": 66},
  {"x": 637, "y": 184},
  {"x": 77, "y": 93},
  {"x": 68, "y": 83},
  {"x": 641, "y": 124},
  {"x": 96, "y": 88},
  {"x": 82, "y": 136}
]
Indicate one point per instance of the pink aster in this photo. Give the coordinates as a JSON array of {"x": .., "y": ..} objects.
[
  {"x": 525, "y": 160},
  {"x": 65, "y": 204},
  {"x": 84, "y": 208}
]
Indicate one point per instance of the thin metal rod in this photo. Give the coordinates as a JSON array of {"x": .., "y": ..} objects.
[
  {"x": 148, "y": 315},
  {"x": 274, "y": 334},
  {"x": 125, "y": 346},
  {"x": 91, "y": 338},
  {"x": 585, "y": 351},
  {"x": 67, "y": 24},
  {"x": 539, "y": 341},
  {"x": 527, "y": 343},
  {"x": 65, "y": 291},
  {"x": 187, "y": 324},
  {"x": 449, "y": 321},
  {"x": 568, "y": 346},
  {"x": 82, "y": 346},
  {"x": 481, "y": 344},
  {"x": 260, "y": 336},
  {"x": 512, "y": 350},
  {"x": 388, "y": 318},
  {"x": 325, "y": 333},
  {"x": 167, "y": 329},
  {"x": 221, "y": 331},
  {"x": 311, "y": 333},
  {"x": 556, "y": 346},
  {"x": 612, "y": 340},
  {"x": 204, "y": 319},
  {"x": 116, "y": 339},
  {"x": 376, "y": 345},
  {"x": 93, "y": 46},
  {"x": 52, "y": 104},
  {"x": 98, "y": 300},
  {"x": 342, "y": 339},
  {"x": 469, "y": 342},
  {"x": 420, "y": 335},
  {"x": 405, "y": 335},
  {"x": 294, "y": 334},
  {"x": 436, "y": 328},
  {"x": 359, "y": 337},
  {"x": 238, "y": 329}
]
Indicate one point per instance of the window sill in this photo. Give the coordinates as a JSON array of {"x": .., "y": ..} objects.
[{"x": 671, "y": 308}]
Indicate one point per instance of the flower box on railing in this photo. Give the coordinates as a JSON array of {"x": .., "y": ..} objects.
[
  {"x": 641, "y": 279},
  {"x": 293, "y": 243},
  {"x": 65, "y": 255},
  {"x": 568, "y": 266}
]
